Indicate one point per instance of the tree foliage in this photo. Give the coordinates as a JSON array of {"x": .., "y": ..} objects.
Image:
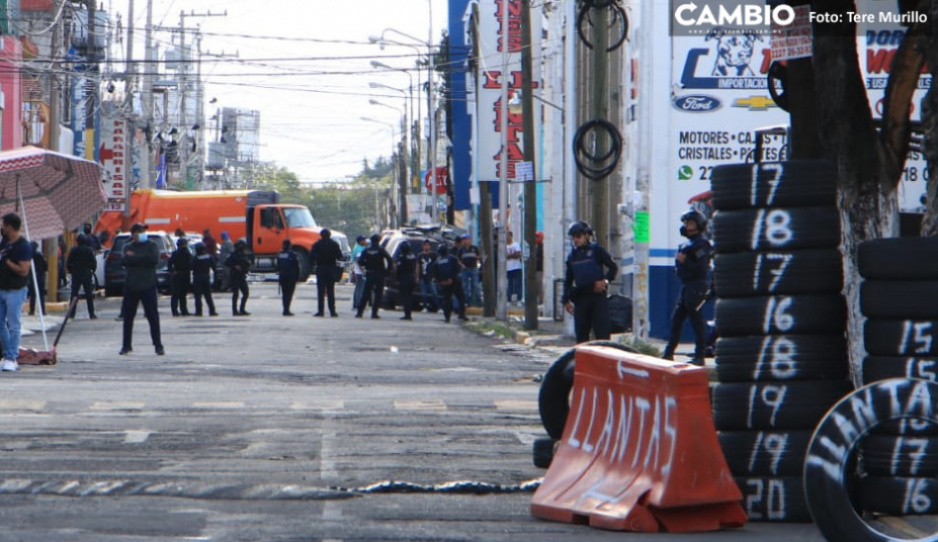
[{"x": 355, "y": 207}]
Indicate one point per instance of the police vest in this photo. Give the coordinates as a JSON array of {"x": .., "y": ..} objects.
[{"x": 586, "y": 266}]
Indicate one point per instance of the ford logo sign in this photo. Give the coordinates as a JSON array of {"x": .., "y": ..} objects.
[{"x": 697, "y": 103}]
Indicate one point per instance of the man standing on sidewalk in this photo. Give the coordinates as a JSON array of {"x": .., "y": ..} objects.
[
  {"x": 140, "y": 257},
  {"x": 16, "y": 257}
]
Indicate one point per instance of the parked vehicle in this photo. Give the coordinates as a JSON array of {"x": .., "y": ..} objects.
[
  {"x": 392, "y": 240},
  {"x": 254, "y": 215},
  {"x": 115, "y": 273}
]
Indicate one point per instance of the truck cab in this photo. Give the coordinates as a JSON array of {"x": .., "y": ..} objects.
[{"x": 270, "y": 224}]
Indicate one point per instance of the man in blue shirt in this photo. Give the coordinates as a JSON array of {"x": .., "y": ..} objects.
[{"x": 16, "y": 257}]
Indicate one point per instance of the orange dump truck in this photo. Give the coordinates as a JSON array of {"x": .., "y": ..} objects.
[{"x": 254, "y": 215}]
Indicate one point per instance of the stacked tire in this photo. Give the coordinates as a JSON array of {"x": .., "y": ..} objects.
[
  {"x": 781, "y": 356},
  {"x": 899, "y": 460}
]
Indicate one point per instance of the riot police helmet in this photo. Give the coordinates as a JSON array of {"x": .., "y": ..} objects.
[
  {"x": 579, "y": 227},
  {"x": 696, "y": 217}
]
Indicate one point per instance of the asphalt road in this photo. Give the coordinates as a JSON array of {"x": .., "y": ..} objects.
[{"x": 273, "y": 429}]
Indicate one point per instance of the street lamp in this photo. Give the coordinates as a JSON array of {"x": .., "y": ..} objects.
[
  {"x": 402, "y": 205},
  {"x": 430, "y": 92}
]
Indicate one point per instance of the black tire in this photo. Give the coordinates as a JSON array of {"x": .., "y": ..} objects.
[
  {"x": 778, "y": 273},
  {"x": 543, "y": 451},
  {"x": 779, "y": 499},
  {"x": 902, "y": 258},
  {"x": 795, "y": 183},
  {"x": 774, "y": 348},
  {"x": 906, "y": 456},
  {"x": 765, "y": 370},
  {"x": 777, "y": 405},
  {"x": 553, "y": 399},
  {"x": 796, "y": 315},
  {"x": 901, "y": 337},
  {"x": 875, "y": 368},
  {"x": 899, "y": 299},
  {"x": 765, "y": 453},
  {"x": 779, "y": 229},
  {"x": 830, "y": 454},
  {"x": 306, "y": 265},
  {"x": 898, "y": 497}
]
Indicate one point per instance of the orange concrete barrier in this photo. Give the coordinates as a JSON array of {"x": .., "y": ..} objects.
[{"x": 639, "y": 450}]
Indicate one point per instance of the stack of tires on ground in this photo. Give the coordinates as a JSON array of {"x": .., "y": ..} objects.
[
  {"x": 899, "y": 298},
  {"x": 781, "y": 356}
]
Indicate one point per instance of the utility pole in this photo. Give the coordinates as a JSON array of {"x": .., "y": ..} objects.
[
  {"x": 129, "y": 82},
  {"x": 530, "y": 187},
  {"x": 147, "y": 98},
  {"x": 184, "y": 124},
  {"x": 599, "y": 189},
  {"x": 51, "y": 246},
  {"x": 501, "y": 245},
  {"x": 91, "y": 83}
]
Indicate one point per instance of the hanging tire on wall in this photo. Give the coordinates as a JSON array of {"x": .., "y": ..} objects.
[
  {"x": 775, "y": 405},
  {"x": 764, "y": 453},
  {"x": 553, "y": 400},
  {"x": 901, "y": 337},
  {"x": 794, "y": 183},
  {"x": 875, "y": 368},
  {"x": 743, "y": 274},
  {"x": 914, "y": 299},
  {"x": 774, "y": 499},
  {"x": 797, "y": 314},
  {"x": 776, "y": 229},
  {"x": 902, "y": 258}
]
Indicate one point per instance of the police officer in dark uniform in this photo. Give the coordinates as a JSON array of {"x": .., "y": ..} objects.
[
  {"x": 585, "y": 284},
  {"x": 376, "y": 262},
  {"x": 288, "y": 273},
  {"x": 445, "y": 271},
  {"x": 427, "y": 287},
  {"x": 180, "y": 271},
  {"x": 239, "y": 263},
  {"x": 326, "y": 254},
  {"x": 406, "y": 278},
  {"x": 692, "y": 266},
  {"x": 82, "y": 264},
  {"x": 202, "y": 266}
]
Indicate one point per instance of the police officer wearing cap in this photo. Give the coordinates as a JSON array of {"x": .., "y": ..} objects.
[
  {"x": 586, "y": 282},
  {"x": 180, "y": 270},
  {"x": 326, "y": 254},
  {"x": 81, "y": 264},
  {"x": 469, "y": 257},
  {"x": 445, "y": 272},
  {"x": 239, "y": 264},
  {"x": 692, "y": 266},
  {"x": 202, "y": 266},
  {"x": 376, "y": 262},
  {"x": 140, "y": 257},
  {"x": 288, "y": 273},
  {"x": 406, "y": 269}
]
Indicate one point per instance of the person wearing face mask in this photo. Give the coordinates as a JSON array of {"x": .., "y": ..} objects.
[
  {"x": 692, "y": 266},
  {"x": 586, "y": 282},
  {"x": 140, "y": 258}
]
